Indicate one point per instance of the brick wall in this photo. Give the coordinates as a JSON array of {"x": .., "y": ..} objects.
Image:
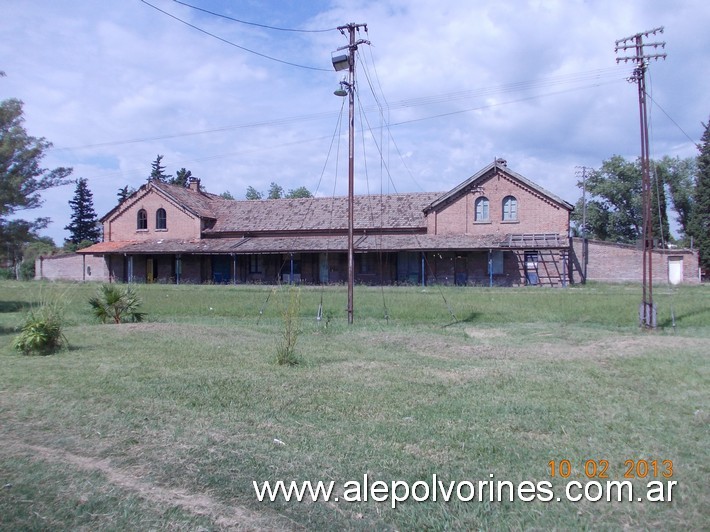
[
  {"x": 123, "y": 225},
  {"x": 72, "y": 267},
  {"x": 535, "y": 213},
  {"x": 609, "y": 262}
]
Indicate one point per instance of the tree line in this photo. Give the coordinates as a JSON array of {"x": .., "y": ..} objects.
[{"x": 614, "y": 202}]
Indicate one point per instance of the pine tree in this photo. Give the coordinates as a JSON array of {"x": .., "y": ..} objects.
[
  {"x": 157, "y": 172},
  {"x": 123, "y": 193},
  {"x": 83, "y": 226},
  {"x": 700, "y": 216},
  {"x": 182, "y": 178}
]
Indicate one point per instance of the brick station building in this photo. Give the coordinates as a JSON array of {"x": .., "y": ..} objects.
[{"x": 495, "y": 228}]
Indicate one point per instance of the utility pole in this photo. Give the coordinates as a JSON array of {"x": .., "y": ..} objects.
[
  {"x": 647, "y": 310},
  {"x": 348, "y": 87},
  {"x": 581, "y": 171}
]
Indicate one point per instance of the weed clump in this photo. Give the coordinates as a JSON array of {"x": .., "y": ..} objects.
[
  {"x": 42, "y": 332},
  {"x": 286, "y": 354}
]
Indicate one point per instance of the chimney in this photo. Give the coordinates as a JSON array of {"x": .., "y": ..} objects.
[{"x": 194, "y": 184}]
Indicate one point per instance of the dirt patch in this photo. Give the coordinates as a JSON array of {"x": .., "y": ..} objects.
[
  {"x": 228, "y": 517},
  {"x": 484, "y": 334}
]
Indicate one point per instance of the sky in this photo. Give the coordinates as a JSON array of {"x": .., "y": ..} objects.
[{"x": 443, "y": 89}]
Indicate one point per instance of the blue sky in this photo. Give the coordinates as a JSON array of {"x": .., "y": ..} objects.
[{"x": 113, "y": 84}]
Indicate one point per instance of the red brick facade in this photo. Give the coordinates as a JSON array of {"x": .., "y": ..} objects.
[
  {"x": 535, "y": 212},
  {"x": 72, "y": 267},
  {"x": 609, "y": 262},
  {"x": 122, "y": 224}
]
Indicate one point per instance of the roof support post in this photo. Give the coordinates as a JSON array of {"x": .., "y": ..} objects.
[{"x": 423, "y": 271}]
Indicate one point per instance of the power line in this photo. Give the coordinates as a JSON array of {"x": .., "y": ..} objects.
[
  {"x": 234, "y": 44},
  {"x": 696, "y": 143},
  {"x": 490, "y": 106},
  {"x": 252, "y": 23},
  {"x": 419, "y": 102}
]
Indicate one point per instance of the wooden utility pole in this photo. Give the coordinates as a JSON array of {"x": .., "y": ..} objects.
[
  {"x": 350, "y": 85},
  {"x": 647, "y": 310}
]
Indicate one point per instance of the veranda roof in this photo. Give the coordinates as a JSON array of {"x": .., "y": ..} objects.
[{"x": 323, "y": 244}]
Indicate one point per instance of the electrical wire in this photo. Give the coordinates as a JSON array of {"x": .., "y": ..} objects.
[
  {"x": 252, "y": 23},
  {"x": 695, "y": 142},
  {"x": 318, "y": 116},
  {"x": 234, "y": 44}
]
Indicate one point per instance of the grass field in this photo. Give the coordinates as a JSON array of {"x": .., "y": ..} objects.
[{"x": 165, "y": 424}]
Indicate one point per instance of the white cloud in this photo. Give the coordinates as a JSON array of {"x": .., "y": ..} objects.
[{"x": 93, "y": 73}]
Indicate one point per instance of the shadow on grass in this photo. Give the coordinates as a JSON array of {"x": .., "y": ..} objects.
[
  {"x": 7, "y": 330},
  {"x": 681, "y": 318},
  {"x": 12, "y": 306},
  {"x": 469, "y": 318}
]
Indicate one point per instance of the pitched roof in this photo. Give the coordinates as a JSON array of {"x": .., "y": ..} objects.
[
  {"x": 201, "y": 204},
  {"x": 391, "y": 211},
  {"x": 497, "y": 166}
]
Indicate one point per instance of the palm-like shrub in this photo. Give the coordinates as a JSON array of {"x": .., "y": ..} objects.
[
  {"x": 42, "y": 333},
  {"x": 116, "y": 304}
]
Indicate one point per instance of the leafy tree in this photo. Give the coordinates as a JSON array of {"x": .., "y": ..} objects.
[
  {"x": 253, "y": 194},
  {"x": 157, "y": 172},
  {"x": 227, "y": 195},
  {"x": 300, "y": 192},
  {"x": 124, "y": 192},
  {"x": 615, "y": 202},
  {"x": 699, "y": 226},
  {"x": 679, "y": 175},
  {"x": 84, "y": 223},
  {"x": 22, "y": 179},
  {"x": 275, "y": 191},
  {"x": 182, "y": 178},
  {"x": 614, "y": 207},
  {"x": 42, "y": 246}
]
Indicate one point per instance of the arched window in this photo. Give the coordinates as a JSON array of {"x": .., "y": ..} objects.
[
  {"x": 161, "y": 219},
  {"x": 482, "y": 209},
  {"x": 510, "y": 209},
  {"x": 142, "y": 222}
]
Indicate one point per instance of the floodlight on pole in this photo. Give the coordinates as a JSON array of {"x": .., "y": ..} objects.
[{"x": 341, "y": 62}]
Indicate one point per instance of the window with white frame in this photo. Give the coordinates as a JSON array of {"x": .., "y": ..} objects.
[
  {"x": 482, "y": 209},
  {"x": 510, "y": 209}
]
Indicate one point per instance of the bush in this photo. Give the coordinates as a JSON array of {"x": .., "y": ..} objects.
[
  {"x": 42, "y": 332},
  {"x": 286, "y": 349},
  {"x": 116, "y": 304}
]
